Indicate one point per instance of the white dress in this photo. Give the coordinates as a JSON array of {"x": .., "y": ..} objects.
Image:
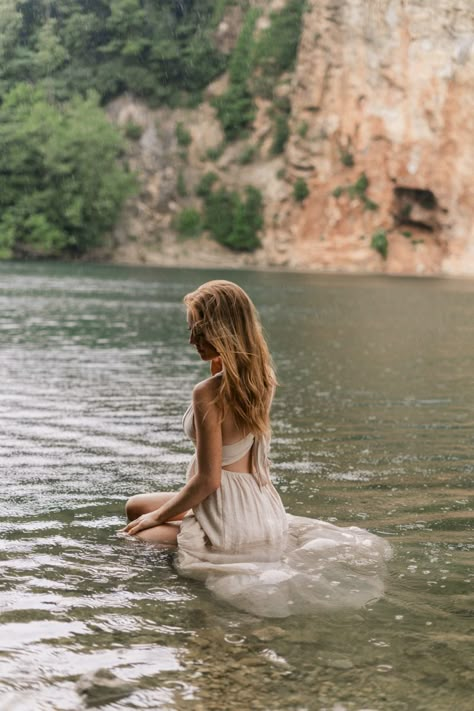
[{"x": 241, "y": 542}]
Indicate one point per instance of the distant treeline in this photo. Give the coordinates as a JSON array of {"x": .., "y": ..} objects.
[{"x": 158, "y": 50}]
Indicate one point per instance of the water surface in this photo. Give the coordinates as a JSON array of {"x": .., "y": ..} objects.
[{"x": 372, "y": 427}]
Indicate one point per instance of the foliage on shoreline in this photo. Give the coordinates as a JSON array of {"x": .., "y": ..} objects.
[{"x": 61, "y": 184}]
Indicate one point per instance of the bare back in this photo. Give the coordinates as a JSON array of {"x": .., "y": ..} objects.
[{"x": 230, "y": 431}]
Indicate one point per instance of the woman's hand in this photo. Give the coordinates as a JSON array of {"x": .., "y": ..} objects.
[
  {"x": 216, "y": 365},
  {"x": 148, "y": 520}
]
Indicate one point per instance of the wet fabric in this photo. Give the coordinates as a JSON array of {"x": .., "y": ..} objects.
[{"x": 245, "y": 547}]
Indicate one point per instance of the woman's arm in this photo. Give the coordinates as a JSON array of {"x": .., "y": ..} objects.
[{"x": 207, "y": 423}]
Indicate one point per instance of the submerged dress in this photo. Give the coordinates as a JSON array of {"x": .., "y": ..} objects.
[{"x": 245, "y": 547}]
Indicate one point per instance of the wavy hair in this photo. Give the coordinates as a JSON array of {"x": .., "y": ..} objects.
[{"x": 226, "y": 317}]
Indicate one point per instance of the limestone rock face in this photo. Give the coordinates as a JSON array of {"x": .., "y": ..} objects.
[
  {"x": 145, "y": 233},
  {"x": 384, "y": 89},
  {"x": 381, "y": 131}
]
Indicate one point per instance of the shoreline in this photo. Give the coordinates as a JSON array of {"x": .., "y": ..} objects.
[{"x": 264, "y": 268}]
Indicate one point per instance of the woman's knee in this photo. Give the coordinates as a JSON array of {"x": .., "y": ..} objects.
[
  {"x": 165, "y": 535},
  {"x": 144, "y": 503},
  {"x": 134, "y": 507}
]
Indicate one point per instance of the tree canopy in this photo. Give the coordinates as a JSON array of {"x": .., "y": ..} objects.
[
  {"x": 162, "y": 51},
  {"x": 61, "y": 183}
]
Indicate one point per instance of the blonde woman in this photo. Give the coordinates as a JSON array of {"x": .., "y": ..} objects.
[
  {"x": 228, "y": 499},
  {"x": 228, "y": 521}
]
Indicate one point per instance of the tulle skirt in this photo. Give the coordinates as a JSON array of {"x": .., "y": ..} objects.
[{"x": 251, "y": 553}]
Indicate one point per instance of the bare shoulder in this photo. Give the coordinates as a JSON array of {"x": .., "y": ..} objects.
[
  {"x": 206, "y": 391},
  {"x": 206, "y": 411}
]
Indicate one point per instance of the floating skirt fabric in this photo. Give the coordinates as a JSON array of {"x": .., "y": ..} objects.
[
  {"x": 251, "y": 553},
  {"x": 245, "y": 547}
]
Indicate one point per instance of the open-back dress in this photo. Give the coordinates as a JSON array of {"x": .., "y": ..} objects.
[{"x": 250, "y": 552}]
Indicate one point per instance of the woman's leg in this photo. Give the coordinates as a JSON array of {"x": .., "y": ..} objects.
[
  {"x": 166, "y": 534},
  {"x": 144, "y": 503}
]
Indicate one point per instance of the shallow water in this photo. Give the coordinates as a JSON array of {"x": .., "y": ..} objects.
[{"x": 372, "y": 427}]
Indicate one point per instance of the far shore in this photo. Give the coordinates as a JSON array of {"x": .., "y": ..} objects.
[
  {"x": 234, "y": 264},
  {"x": 150, "y": 262}
]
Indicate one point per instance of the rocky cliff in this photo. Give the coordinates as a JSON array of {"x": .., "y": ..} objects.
[{"x": 381, "y": 131}]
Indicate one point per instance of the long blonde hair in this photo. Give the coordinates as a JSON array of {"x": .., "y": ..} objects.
[{"x": 226, "y": 317}]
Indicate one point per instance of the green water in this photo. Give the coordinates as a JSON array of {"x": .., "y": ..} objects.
[{"x": 372, "y": 427}]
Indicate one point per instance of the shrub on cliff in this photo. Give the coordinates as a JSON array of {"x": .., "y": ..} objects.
[
  {"x": 300, "y": 190},
  {"x": 181, "y": 188},
  {"x": 276, "y": 50},
  {"x": 236, "y": 108},
  {"x": 183, "y": 136},
  {"x": 233, "y": 221},
  {"x": 61, "y": 185},
  {"x": 358, "y": 191},
  {"x": 219, "y": 213},
  {"x": 133, "y": 131},
  {"x": 346, "y": 157},
  {"x": 188, "y": 222},
  {"x": 204, "y": 186},
  {"x": 247, "y": 155},
  {"x": 248, "y": 220},
  {"x": 379, "y": 242},
  {"x": 280, "y": 135}
]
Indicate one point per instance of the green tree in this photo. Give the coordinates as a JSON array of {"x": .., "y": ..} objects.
[
  {"x": 126, "y": 52},
  {"x": 127, "y": 27},
  {"x": 10, "y": 28},
  {"x": 61, "y": 186},
  {"x": 14, "y": 59},
  {"x": 51, "y": 54}
]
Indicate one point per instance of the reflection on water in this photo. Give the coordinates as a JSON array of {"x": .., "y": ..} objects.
[{"x": 371, "y": 427}]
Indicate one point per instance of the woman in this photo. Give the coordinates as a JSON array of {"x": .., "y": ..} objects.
[
  {"x": 228, "y": 521},
  {"x": 229, "y": 420}
]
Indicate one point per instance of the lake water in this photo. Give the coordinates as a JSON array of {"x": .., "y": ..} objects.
[{"x": 372, "y": 425}]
